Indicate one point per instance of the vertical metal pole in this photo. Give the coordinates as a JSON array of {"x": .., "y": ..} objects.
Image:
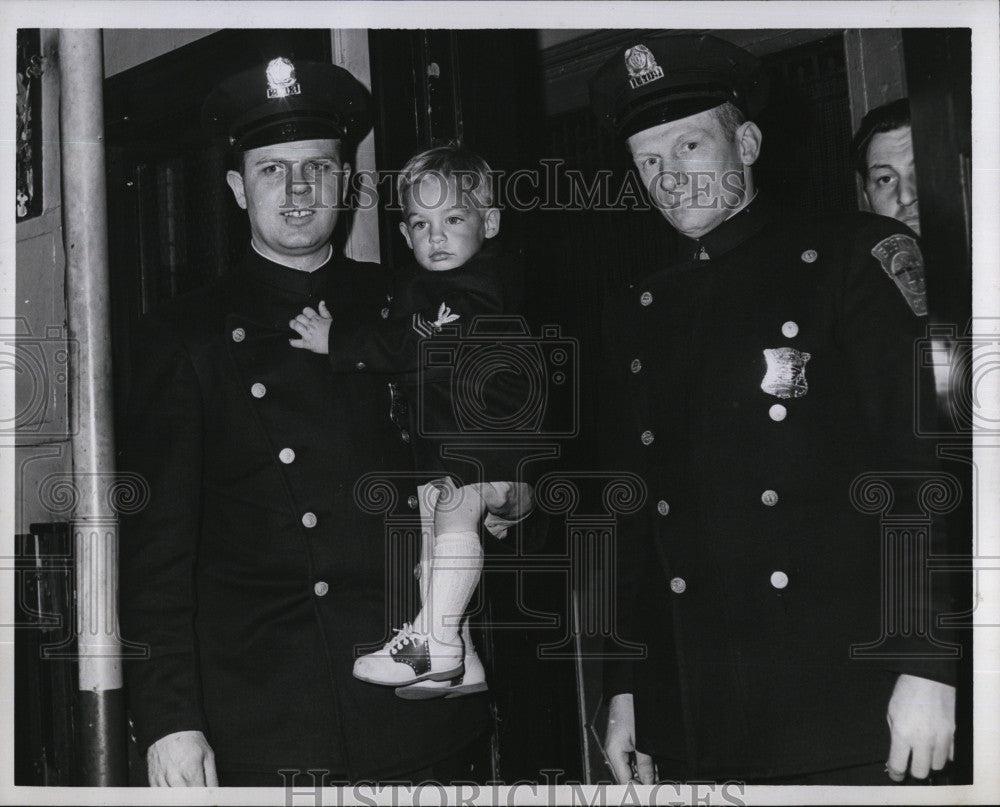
[{"x": 94, "y": 523}]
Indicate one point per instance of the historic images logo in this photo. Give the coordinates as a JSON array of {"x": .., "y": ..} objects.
[{"x": 642, "y": 67}]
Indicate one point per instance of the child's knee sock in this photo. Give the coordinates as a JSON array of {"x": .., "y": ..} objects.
[
  {"x": 427, "y": 496},
  {"x": 455, "y": 570}
]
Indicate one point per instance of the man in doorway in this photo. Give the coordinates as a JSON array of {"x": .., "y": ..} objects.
[
  {"x": 758, "y": 388},
  {"x": 883, "y": 156},
  {"x": 253, "y": 572}
]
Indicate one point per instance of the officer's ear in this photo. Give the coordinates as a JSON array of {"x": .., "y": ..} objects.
[
  {"x": 235, "y": 180},
  {"x": 491, "y": 221},
  {"x": 345, "y": 182},
  {"x": 748, "y": 137},
  {"x": 867, "y": 206}
]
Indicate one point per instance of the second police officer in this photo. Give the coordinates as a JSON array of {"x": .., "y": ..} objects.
[{"x": 751, "y": 385}]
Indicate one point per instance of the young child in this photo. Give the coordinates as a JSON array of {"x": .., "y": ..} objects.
[{"x": 447, "y": 218}]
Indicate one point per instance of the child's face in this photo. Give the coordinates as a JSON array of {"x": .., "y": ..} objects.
[{"x": 442, "y": 227}]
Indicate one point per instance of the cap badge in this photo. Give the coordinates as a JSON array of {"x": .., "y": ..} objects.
[
  {"x": 786, "y": 372},
  {"x": 281, "y": 81},
  {"x": 642, "y": 67}
]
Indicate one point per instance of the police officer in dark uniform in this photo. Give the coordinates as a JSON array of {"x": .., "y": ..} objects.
[
  {"x": 255, "y": 570},
  {"x": 753, "y": 386}
]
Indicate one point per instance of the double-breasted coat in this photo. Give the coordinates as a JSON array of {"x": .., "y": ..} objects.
[
  {"x": 750, "y": 391},
  {"x": 258, "y": 567}
]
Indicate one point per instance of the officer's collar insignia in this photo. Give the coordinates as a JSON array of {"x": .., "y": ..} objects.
[
  {"x": 901, "y": 259},
  {"x": 642, "y": 67},
  {"x": 786, "y": 372},
  {"x": 281, "y": 81}
]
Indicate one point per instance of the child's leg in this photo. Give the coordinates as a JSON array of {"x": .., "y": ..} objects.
[
  {"x": 451, "y": 561},
  {"x": 427, "y": 496},
  {"x": 455, "y": 569},
  {"x": 474, "y": 677},
  {"x": 456, "y": 563}
]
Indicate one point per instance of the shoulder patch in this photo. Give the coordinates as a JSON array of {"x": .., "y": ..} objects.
[{"x": 902, "y": 260}]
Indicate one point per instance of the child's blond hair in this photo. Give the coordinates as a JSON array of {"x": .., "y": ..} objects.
[{"x": 470, "y": 172}]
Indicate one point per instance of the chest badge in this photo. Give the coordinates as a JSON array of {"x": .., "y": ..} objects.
[
  {"x": 902, "y": 261},
  {"x": 786, "y": 372}
]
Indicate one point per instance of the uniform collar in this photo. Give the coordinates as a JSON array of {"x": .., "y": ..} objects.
[
  {"x": 284, "y": 280},
  {"x": 735, "y": 230}
]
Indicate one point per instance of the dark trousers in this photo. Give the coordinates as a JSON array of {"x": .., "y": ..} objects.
[{"x": 469, "y": 764}]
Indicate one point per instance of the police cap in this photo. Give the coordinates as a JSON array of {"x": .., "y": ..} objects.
[
  {"x": 659, "y": 79},
  {"x": 282, "y": 101}
]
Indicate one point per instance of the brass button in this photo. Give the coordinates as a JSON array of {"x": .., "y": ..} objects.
[
  {"x": 810, "y": 256},
  {"x": 769, "y": 498},
  {"x": 636, "y": 366},
  {"x": 321, "y": 588},
  {"x": 647, "y": 437},
  {"x": 239, "y": 335},
  {"x": 384, "y": 313},
  {"x": 360, "y": 365},
  {"x": 287, "y": 456},
  {"x": 645, "y": 298},
  {"x": 404, "y": 435},
  {"x": 412, "y": 502},
  {"x": 678, "y": 585},
  {"x": 790, "y": 329},
  {"x": 778, "y": 412},
  {"x": 779, "y": 579},
  {"x": 662, "y": 507},
  {"x": 309, "y": 520},
  {"x": 258, "y": 390}
]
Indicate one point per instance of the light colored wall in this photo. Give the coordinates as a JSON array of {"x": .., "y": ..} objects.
[
  {"x": 128, "y": 47},
  {"x": 548, "y": 37},
  {"x": 350, "y": 51},
  {"x": 40, "y": 384}
]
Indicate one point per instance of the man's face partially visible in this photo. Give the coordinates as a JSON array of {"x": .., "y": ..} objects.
[
  {"x": 292, "y": 193},
  {"x": 891, "y": 184},
  {"x": 694, "y": 170}
]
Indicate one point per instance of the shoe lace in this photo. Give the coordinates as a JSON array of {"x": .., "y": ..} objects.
[{"x": 404, "y": 636}]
